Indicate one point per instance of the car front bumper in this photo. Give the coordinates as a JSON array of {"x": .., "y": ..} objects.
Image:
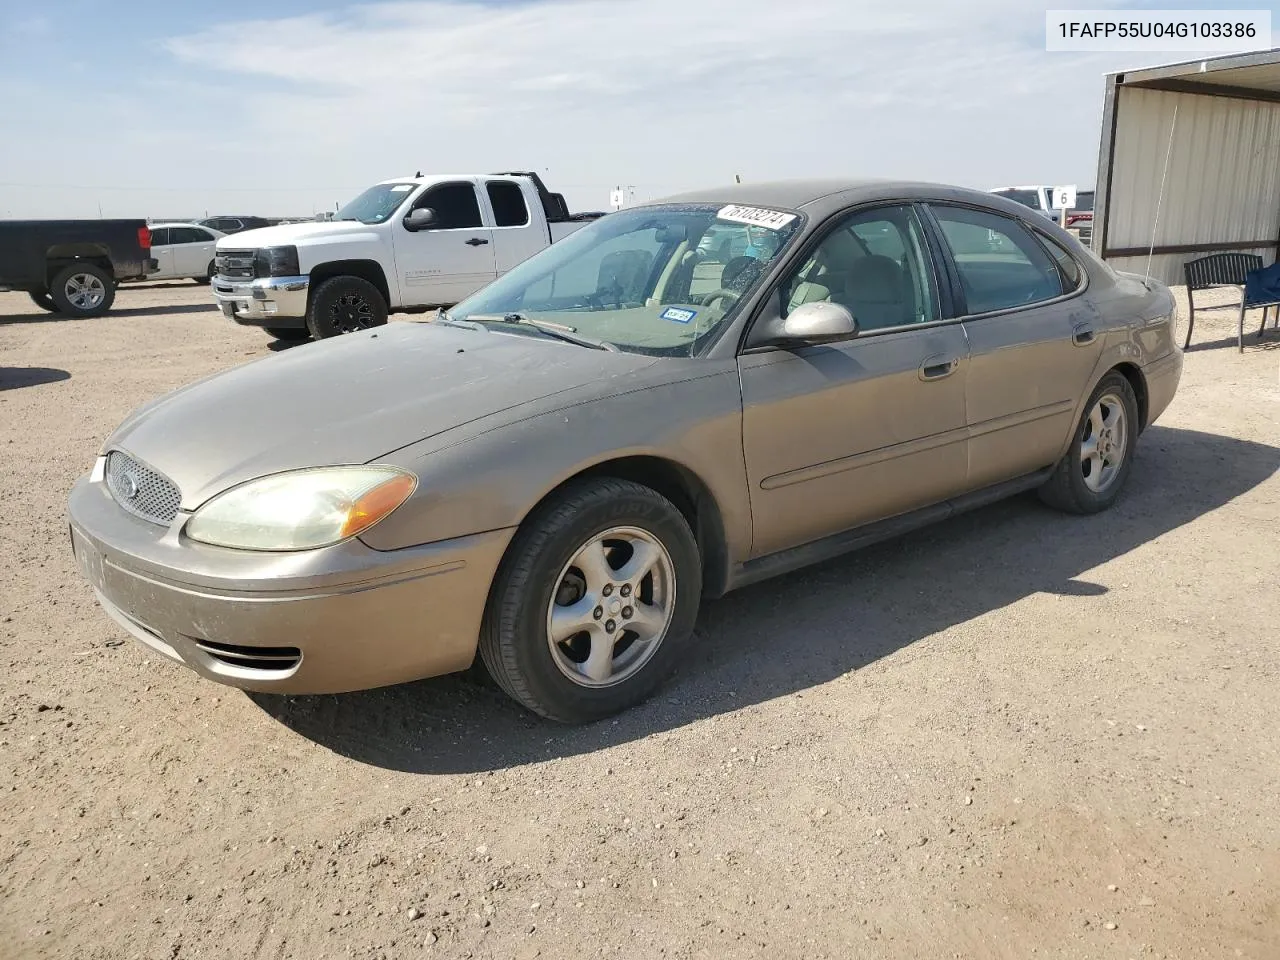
[
  {"x": 269, "y": 301},
  {"x": 338, "y": 619}
]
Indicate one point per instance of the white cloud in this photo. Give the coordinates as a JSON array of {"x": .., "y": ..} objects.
[{"x": 663, "y": 94}]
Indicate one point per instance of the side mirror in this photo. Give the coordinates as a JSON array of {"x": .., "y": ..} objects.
[
  {"x": 818, "y": 322},
  {"x": 421, "y": 219}
]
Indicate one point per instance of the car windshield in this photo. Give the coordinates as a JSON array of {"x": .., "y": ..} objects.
[
  {"x": 658, "y": 280},
  {"x": 377, "y": 203}
]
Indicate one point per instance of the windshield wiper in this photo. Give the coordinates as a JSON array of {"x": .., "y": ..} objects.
[{"x": 559, "y": 331}]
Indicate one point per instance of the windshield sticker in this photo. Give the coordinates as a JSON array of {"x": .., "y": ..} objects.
[
  {"x": 402, "y": 188},
  {"x": 755, "y": 216},
  {"x": 677, "y": 315}
]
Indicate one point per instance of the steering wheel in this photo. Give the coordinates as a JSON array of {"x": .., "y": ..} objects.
[{"x": 721, "y": 294}]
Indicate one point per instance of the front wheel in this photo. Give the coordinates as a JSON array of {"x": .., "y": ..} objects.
[
  {"x": 1092, "y": 474},
  {"x": 83, "y": 290},
  {"x": 594, "y": 603},
  {"x": 345, "y": 305}
]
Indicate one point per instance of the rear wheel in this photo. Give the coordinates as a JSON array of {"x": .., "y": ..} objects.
[
  {"x": 594, "y": 603},
  {"x": 208, "y": 274},
  {"x": 345, "y": 305},
  {"x": 1092, "y": 474},
  {"x": 83, "y": 290},
  {"x": 289, "y": 333},
  {"x": 42, "y": 300}
]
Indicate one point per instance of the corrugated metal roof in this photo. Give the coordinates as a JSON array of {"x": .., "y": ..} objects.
[
  {"x": 1239, "y": 70},
  {"x": 1191, "y": 163},
  {"x": 1223, "y": 180}
]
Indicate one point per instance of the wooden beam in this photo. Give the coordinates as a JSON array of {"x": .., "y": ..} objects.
[
  {"x": 1191, "y": 248},
  {"x": 1209, "y": 90}
]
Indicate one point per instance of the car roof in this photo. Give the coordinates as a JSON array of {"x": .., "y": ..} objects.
[{"x": 819, "y": 197}]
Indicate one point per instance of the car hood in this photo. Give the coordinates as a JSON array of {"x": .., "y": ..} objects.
[
  {"x": 292, "y": 233},
  {"x": 351, "y": 399}
]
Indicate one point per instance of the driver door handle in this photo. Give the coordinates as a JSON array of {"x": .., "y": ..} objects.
[
  {"x": 935, "y": 368},
  {"x": 1082, "y": 335},
  {"x": 477, "y": 242}
]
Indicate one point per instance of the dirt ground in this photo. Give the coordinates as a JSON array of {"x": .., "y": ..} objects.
[{"x": 1017, "y": 734}]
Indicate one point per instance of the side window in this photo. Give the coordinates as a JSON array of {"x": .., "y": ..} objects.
[
  {"x": 185, "y": 235},
  {"x": 1072, "y": 273},
  {"x": 1001, "y": 265},
  {"x": 159, "y": 236},
  {"x": 455, "y": 205},
  {"x": 507, "y": 200},
  {"x": 876, "y": 264}
]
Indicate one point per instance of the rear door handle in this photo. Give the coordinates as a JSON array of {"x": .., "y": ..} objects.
[
  {"x": 477, "y": 242},
  {"x": 935, "y": 368},
  {"x": 1082, "y": 335}
]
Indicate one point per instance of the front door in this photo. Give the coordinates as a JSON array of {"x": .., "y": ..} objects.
[
  {"x": 162, "y": 253},
  {"x": 1034, "y": 342},
  {"x": 843, "y": 434},
  {"x": 451, "y": 260}
]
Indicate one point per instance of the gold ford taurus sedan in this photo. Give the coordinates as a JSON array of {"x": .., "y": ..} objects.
[{"x": 679, "y": 399}]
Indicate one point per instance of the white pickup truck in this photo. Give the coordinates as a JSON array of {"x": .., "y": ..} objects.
[{"x": 404, "y": 245}]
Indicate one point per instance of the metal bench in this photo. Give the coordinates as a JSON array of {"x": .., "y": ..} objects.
[{"x": 1220, "y": 270}]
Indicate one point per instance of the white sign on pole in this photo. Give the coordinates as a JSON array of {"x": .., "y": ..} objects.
[
  {"x": 1064, "y": 198},
  {"x": 617, "y": 199}
]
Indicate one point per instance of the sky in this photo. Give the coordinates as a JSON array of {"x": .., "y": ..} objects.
[{"x": 290, "y": 107}]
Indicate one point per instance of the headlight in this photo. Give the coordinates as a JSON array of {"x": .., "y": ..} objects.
[
  {"x": 301, "y": 510},
  {"x": 276, "y": 262}
]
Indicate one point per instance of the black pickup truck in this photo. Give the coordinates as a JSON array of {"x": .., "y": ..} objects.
[{"x": 73, "y": 266}]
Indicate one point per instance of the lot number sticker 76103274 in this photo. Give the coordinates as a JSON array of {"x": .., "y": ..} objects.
[{"x": 755, "y": 216}]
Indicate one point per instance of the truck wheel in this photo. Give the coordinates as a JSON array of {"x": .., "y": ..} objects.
[
  {"x": 345, "y": 305},
  {"x": 42, "y": 300},
  {"x": 208, "y": 274},
  {"x": 289, "y": 333},
  {"x": 83, "y": 290}
]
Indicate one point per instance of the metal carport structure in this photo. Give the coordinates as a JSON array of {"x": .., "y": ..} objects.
[{"x": 1189, "y": 164}]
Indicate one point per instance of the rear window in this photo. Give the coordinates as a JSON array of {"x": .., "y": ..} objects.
[{"x": 1084, "y": 200}]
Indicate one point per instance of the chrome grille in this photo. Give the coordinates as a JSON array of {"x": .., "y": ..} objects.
[
  {"x": 141, "y": 490},
  {"x": 234, "y": 264}
]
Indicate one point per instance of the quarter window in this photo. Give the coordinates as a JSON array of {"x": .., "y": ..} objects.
[
  {"x": 455, "y": 205},
  {"x": 1001, "y": 265},
  {"x": 875, "y": 264},
  {"x": 1072, "y": 275},
  {"x": 507, "y": 200},
  {"x": 159, "y": 236}
]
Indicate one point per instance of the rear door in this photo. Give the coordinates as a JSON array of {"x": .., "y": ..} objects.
[
  {"x": 842, "y": 434},
  {"x": 1032, "y": 335},
  {"x": 162, "y": 253},
  {"x": 454, "y": 258},
  {"x": 193, "y": 251},
  {"x": 518, "y": 232}
]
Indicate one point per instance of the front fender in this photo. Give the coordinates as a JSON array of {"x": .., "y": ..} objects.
[{"x": 492, "y": 481}]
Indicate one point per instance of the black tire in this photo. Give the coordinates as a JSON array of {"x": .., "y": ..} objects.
[
  {"x": 289, "y": 333},
  {"x": 92, "y": 303},
  {"x": 208, "y": 275},
  {"x": 1068, "y": 488},
  {"x": 345, "y": 305},
  {"x": 42, "y": 300},
  {"x": 513, "y": 639}
]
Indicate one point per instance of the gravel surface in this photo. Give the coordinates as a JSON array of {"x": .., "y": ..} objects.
[{"x": 1015, "y": 734}]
